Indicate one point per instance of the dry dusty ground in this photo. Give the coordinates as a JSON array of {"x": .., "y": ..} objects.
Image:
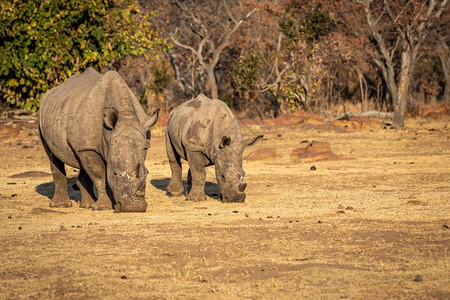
[{"x": 361, "y": 227}]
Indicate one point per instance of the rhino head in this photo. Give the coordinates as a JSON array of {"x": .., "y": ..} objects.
[
  {"x": 126, "y": 141},
  {"x": 229, "y": 172}
]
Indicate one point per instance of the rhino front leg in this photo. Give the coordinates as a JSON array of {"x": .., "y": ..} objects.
[
  {"x": 86, "y": 187},
  {"x": 95, "y": 168},
  {"x": 196, "y": 177},
  {"x": 175, "y": 187}
]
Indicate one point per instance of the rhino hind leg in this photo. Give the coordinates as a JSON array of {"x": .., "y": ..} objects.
[
  {"x": 95, "y": 168},
  {"x": 86, "y": 187},
  {"x": 196, "y": 177},
  {"x": 175, "y": 187},
  {"x": 61, "y": 196}
]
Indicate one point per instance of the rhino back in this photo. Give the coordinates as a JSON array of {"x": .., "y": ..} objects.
[
  {"x": 71, "y": 115},
  {"x": 200, "y": 124}
]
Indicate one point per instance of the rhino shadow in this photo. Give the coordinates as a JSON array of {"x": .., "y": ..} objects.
[
  {"x": 211, "y": 189},
  {"x": 48, "y": 189}
]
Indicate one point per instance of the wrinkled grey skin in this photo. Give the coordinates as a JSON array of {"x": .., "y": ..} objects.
[
  {"x": 204, "y": 132},
  {"x": 94, "y": 122}
]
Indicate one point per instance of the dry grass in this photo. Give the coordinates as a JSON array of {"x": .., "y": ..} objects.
[{"x": 360, "y": 227}]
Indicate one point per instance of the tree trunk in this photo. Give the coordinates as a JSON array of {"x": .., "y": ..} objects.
[
  {"x": 445, "y": 62},
  {"x": 364, "y": 90},
  {"x": 212, "y": 82},
  {"x": 403, "y": 89}
]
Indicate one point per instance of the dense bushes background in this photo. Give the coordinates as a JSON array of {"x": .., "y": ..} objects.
[
  {"x": 262, "y": 57},
  {"x": 43, "y": 42}
]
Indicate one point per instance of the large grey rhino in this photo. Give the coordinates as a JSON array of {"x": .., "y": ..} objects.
[
  {"x": 94, "y": 122},
  {"x": 204, "y": 132}
]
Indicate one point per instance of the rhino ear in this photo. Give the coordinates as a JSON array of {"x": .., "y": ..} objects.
[
  {"x": 226, "y": 140},
  {"x": 251, "y": 141},
  {"x": 110, "y": 117},
  {"x": 152, "y": 120}
]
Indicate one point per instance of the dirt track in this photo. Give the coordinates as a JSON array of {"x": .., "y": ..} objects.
[{"x": 362, "y": 226}]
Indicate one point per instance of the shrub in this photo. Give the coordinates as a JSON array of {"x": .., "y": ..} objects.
[{"x": 43, "y": 42}]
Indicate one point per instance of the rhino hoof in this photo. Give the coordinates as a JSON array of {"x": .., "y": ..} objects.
[
  {"x": 196, "y": 198},
  {"x": 86, "y": 205},
  {"x": 175, "y": 194},
  {"x": 64, "y": 204},
  {"x": 101, "y": 207}
]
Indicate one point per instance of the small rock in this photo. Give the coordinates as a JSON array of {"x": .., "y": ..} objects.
[
  {"x": 340, "y": 212},
  {"x": 247, "y": 215},
  {"x": 210, "y": 214},
  {"x": 90, "y": 223},
  {"x": 407, "y": 195},
  {"x": 13, "y": 195},
  {"x": 279, "y": 135},
  {"x": 19, "y": 228},
  {"x": 123, "y": 277},
  {"x": 62, "y": 228},
  {"x": 235, "y": 211},
  {"x": 418, "y": 278},
  {"x": 269, "y": 217},
  {"x": 313, "y": 168},
  {"x": 319, "y": 221},
  {"x": 314, "y": 151},
  {"x": 262, "y": 154},
  {"x": 78, "y": 226},
  {"x": 417, "y": 202},
  {"x": 445, "y": 226},
  {"x": 9, "y": 217},
  {"x": 349, "y": 208}
]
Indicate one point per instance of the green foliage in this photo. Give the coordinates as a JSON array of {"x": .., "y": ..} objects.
[
  {"x": 245, "y": 73},
  {"x": 161, "y": 78},
  {"x": 307, "y": 26},
  {"x": 44, "y": 42}
]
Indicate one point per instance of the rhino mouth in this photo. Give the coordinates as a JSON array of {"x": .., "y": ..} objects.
[
  {"x": 236, "y": 199},
  {"x": 134, "y": 207},
  {"x": 133, "y": 200}
]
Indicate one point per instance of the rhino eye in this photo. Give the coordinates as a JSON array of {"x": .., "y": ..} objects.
[{"x": 148, "y": 135}]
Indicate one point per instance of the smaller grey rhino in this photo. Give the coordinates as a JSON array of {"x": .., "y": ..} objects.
[
  {"x": 94, "y": 122},
  {"x": 204, "y": 132}
]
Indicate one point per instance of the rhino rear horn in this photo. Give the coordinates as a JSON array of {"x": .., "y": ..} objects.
[
  {"x": 252, "y": 141},
  {"x": 152, "y": 120}
]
